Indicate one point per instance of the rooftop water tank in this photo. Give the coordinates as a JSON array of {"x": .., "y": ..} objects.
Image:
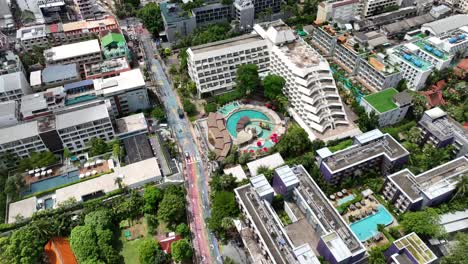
[
  {"x": 417, "y": 63},
  {"x": 437, "y": 53},
  {"x": 407, "y": 57},
  {"x": 461, "y": 36},
  {"x": 452, "y": 40},
  {"x": 428, "y": 48}
]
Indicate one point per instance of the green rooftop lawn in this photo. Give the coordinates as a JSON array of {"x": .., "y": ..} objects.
[{"x": 383, "y": 100}]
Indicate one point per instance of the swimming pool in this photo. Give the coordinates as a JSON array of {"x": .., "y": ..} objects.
[
  {"x": 367, "y": 227},
  {"x": 225, "y": 110},
  {"x": 345, "y": 199},
  {"x": 50, "y": 183},
  {"x": 252, "y": 114}
]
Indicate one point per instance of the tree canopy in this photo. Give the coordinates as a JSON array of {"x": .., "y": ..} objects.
[
  {"x": 150, "y": 15},
  {"x": 150, "y": 253},
  {"x": 223, "y": 206},
  {"x": 459, "y": 253},
  {"x": 294, "y": 143},
  {"x": 247, "y": 79},
  {"x": 37, "y": 160},
  {"x": 424, "y": 223},
  {"x": 172, "y": 207},
  {"x": 152, "y": 196},
  {"x": 273, "y": 86},
  {"x": 189, "y": 107},
  {"x": 181, "y": 250}
]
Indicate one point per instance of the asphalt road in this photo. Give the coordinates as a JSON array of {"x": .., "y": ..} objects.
[{"x": 205, "y": 243}]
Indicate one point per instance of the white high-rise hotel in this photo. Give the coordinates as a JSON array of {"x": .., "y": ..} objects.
[{"x": 314, "y": 100}]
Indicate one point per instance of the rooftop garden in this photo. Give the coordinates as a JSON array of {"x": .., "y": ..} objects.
[{"x": 382, "y": 101}]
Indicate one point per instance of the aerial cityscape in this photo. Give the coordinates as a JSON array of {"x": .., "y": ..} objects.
[{"x": 234, "y": 131}]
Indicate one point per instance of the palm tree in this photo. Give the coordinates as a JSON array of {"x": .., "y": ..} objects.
[
  {"x": 118, "y": 181},
  {"x": 462, "y": 187}
]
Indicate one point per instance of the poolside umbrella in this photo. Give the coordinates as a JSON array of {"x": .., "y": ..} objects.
[
  {"x": 245, "y": 151},
  {"x": 259, "y": 143},
  {"x": 43, "y": 173},
  {"x": 37, "y": 170},
  {"x": 363, "y": 202},
  {"x": 43, "y": 168},
  {"x": 87, "y": 174},
  {"x": 358, "y": 205},
  {"x": 265, "y": 149},
  {"x": 81, "y": 175},
  {"x": 37, "y": 174},
  {"x": 252, "y": 151},
  {"x": 49, "y": 171},
  {"x": 31, "y": 172},
  {"x": 93, "y": 172},
  {"x": 344, "y": 191},
  {"x": 352, "y": 207},
  {"x": 339, "y": 194},
  {"x": 332, "y": 197}
]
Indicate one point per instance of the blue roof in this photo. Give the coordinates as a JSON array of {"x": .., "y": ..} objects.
[
  {"x": 53, "y": 73},
  {"x": 79, "y": 84}
]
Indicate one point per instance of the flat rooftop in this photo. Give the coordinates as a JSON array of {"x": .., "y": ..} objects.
[
  {"x": 432, "y": 51},
  {"x": 172, "y": 12},
  {"x": 300, "y": 54},
  {"x": 226, "y": 44},
  {"x": 443, "y": 126},
  {"x": 124, "y": 81},
  {"x": 416, "y": 247},
  {"x": 382, "y": 101},
  {"x": 73, "y": 50},
  {"x": 131, "y": 123},
  {"x": 407, "y": 54},
  {"x": 81, "y": 116},
  {"x": 329, "y": 218},
  {"x": 138, "y": 148},
  {"x": 18, "y": 132},
  {"x": 272, "y": 161},
  {"x": 356, "y": 154},
  {"x": 404, "y": 179},
  {"x": 31, "y": 32}
]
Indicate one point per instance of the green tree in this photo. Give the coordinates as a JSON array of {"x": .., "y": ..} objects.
[
  {"x": 211, "y": 107},
  {"x": 462, "y": 188},
  {"x": 247, "y": 79},
  {"x": 150, "y": 15},
  {"x": 273, "y": 86},
  {"x": 172, "y": 208},
  {"x": 459, "y": 253},
  {"x": 83, "y": 243},
  {"x": 37, "y": 160},
  {"x": 66, "y": 153},
  {"x": 223, "y": 205},
  {"x": 376, "y": 255},
  {"x": 294, "y": 143},
  {"x": 152, "y": 196},
  {"x": 244, "y": 158},
  {"x": 100, "y": 219},
  {"x": 181, "y": 250},
  {"x": 150, "y": 253},
  {"x": 266, "y": 171},
  {"x": 23, "y": 246},
  {"x": 419, "y": 104},
  {"x": 183, "y": 230},
  {"x": 402, "y": 85},
  {"x": 424, "y": 223},
  {"x": 223, "y": 182},
  {"x": 414, "y": 135},
  {"x": 97, "y": 146},
  {"x": 129, "y": 208},
  {"x": 189, "y": 107},
  {"x": 158, "y": 113}
]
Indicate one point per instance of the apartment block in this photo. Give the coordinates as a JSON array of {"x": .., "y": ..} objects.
[
  {"x": 212, "y": 13},
  {"x": 345, "y": 10},
  {"x": 13, "y": 86},
  {"x": 376, "y": 72},
  {"x": 177, "y": 22},
  {"x": 9, "y": 113},
  {"x": 126, "y": 92},
  {"x": 346, "y": 56},
  {"x": 440, "y": 130},
  {"x": 415, "y": 69},
  {"x": 86, "y": 8},
  {"x": 28, "y": 37},
  {"x": 263, "y": 5},
  {"x": 371, "y": 150},
  {"x": 213, "y": 66},
  {"x": 244, "y": 13},
  {"x": 409, "y": 192},
  {"x": 54, "y": 75},
  {"x": 84, "y": 52},
  {"x": 42, "y": 103},
  {"x": 316, "y": 228},
  {"x": 375, "y": 7},
  {"x": 76, "y": 128},
  {"x": 10, "y": 63},
  {"x": 388, "y": 105},
  {"x": 409, "y": 249},
  {"x": 21, "y": 139}
]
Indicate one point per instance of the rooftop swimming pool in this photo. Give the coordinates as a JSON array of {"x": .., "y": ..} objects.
[
  {"x": 53, "y": 182},
  {"x": 227, "y": 109},
  {"x": 366, "y": 228},
  {"x": 252, "y": 114},
  {"x": 345, "y": 199}
]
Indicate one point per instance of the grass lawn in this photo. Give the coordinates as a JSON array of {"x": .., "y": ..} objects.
[
  {"x": 383, "y": 100},
  {"x": 138, "y": 231},
  {"x": 130, "y": 250}
]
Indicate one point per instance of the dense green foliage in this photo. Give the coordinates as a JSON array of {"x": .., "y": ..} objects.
[
  {"x": 459, "y": 253},
  {"x": 228, "y": 97},
  {"x": 211, "y": 107},
  {"x": 181, "y": 250},
  {"x": 189, "y": 107},
  {"x": 247, "y": 80},
  {"x": 37, "y": 160},
  {"x": 294, "y": 143},
  {"x": 203, "y": 35},
  {"x": 172, "y": 207},
  {"x": 152, "y": 196},
  {"x": 150, "y": 15},
  {"x": 273, "y": 86},
  {"x": 150, "y": 252},
  {"x": 425, "y": 223},
  {"x": 158, "y": 113},
  {"x": 223, "y": 208},
  {"x": 427, "y": 156}
]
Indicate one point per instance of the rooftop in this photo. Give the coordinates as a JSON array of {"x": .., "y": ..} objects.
[
  {"x": 112, "y": 37},
  {"x": 131, "y": 123},
  {"x": 172, "y": 12},
  {"x": 382, "y": 101},
  {"x": 8, "y": 108},
  {"x": 81, "y": 116},
  {"x": 72, "y": 50},
  {"x": 454, "y": 222},
  {"x": 91, "y": 24},
  {"x": 416, "y": 248},
  {"x": 13, "y": 81},
  {"x": 107, "y": 66},
  {"x": 18, "y": 132},
  {"x": 407, "y": 54},
  {"x": 261, "y": 185},
  {"x": 32, "y": 32},
  {"x": 287, "y": 176},
  {"x": 237, "y": 172},
  {"x": 59, "y": 72},
  {"x": 272, "y": 161},
  {"x": 441, "y": 125},
  {"x": 447, "y": 24},
  {"x": 124, "y": 81},
  {"x": 225, "y": 44},
  {"x": 383, "y": 144},
  {"x": 432, "y": 51}
]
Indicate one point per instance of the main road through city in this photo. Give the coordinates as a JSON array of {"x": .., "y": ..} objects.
[{"x": 205, "y": 244}]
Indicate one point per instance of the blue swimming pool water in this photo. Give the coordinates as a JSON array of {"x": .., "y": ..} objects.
[
  {"x": 252, "y": 114},
  {"x": 367, "y": 227},
  {"x": 345, "y": 199},
  {"x": 225, "y": 110},
  {"x": 50, "y": 183}
]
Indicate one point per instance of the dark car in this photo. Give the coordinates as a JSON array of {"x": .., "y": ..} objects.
[{"x": 181, "y": 113}]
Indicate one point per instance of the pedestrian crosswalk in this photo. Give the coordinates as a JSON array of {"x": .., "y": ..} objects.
[{"x": 192, "y": 160}]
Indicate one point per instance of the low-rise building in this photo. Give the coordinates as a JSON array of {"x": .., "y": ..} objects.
[
  {"x": 244, "y": 13},
  {"x": 409, "y": 192},
  {"x": 13, "y": 86},
  {"x": 127, "y": 92},
  {"x": 9, "y": 113},
  {"x": 441, "y": 26},
  {"x": 177, "y": 22},
  {"x": 315, "y": 224},
  {"x": 409, "y": 249},
  {"x": 371, "y": 150},
  {"x": 345, "y": 10},
  {"x": 453, "y": 42},
  {"x": 10, "y": 63},
  {"x": 58, "y": 75},
  {"x": 114, "y": 46},
  {"x": 429, "y": 52},
  {"x": 42, "y": 103},
  {"x": 388, "y": 105},
  {"x": 84, "y": 52},
  {"x": 376, "y": 72},
  {"x": 33, "y": 36},
  {"x": 211, "y": 13},
  {"x": 415, "y": 69},
  {"x": 454, "y": 222},
  {"x": 440, "y": 130},
  {"x": 375, "y": 7}
]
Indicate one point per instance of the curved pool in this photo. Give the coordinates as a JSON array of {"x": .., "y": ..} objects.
[
  {"x": 366, "y": 228},
  {"x": 232, "y": 120}
]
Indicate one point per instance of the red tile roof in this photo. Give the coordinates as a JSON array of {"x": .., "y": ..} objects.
[
  {"x": 167, "y": 242},
  {"x": 463, "y": 65},
  {"x": 58, "y": 251}
]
